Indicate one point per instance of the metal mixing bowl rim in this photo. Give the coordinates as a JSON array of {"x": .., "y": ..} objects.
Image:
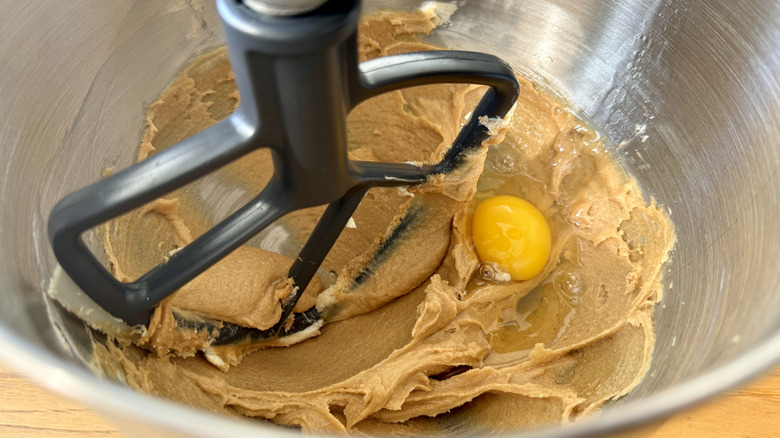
[{"x": 79, "y": 384}]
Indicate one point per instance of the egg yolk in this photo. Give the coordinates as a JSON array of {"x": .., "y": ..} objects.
[{"x": 512, "y": 233}]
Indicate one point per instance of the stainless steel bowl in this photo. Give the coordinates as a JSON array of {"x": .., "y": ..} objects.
[{"x": 689, "y": 90}]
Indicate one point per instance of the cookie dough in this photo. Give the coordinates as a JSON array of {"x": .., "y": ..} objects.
[{"x": 415, "y": 340}]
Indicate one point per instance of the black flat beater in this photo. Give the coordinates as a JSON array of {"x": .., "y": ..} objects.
[{"x": 285, "y": 54}]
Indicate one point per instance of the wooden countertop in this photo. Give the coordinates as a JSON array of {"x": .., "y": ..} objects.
[{"x": 27, "y": 410}]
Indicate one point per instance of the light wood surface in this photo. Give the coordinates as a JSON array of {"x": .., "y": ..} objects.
[{"x": 27, "y": 410}]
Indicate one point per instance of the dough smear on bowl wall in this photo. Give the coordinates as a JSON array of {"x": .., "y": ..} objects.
[{"x": 424, "y": 335}]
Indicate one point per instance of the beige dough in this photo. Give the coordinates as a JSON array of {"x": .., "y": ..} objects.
[{"x": 414, "y": 341}]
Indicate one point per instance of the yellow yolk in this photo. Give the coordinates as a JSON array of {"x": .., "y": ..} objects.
[{"x": 512, "y": 233}]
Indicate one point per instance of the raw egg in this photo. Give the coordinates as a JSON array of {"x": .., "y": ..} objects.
[{"x": 513, "y": 234}]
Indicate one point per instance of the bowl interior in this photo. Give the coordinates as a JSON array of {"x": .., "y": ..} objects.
[{"x": 687, "y": 93}]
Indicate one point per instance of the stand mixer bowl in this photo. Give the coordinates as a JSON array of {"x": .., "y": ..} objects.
[{"x": 688, "y": 94}]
